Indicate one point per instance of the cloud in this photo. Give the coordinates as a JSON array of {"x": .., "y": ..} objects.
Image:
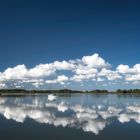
[
  {"x": 130, "y": 74},
  {"x": 41, "y": 70},
  {"x": 109, "y": 74},
  {"x": 85, "y": 71},
  {"x": 110, "y": 112},
  {"x": 19, "y": 111},
  {"x": 37, "y": 84},
  {"x": 18, "y": 72},
  {"x": 124, "y": 69},
  {"x": 135, "y": 109},
  {"x": 64, "y": 65},
  {"x": 93, "y": 69},
  {"x": 2, "y": 85},
  {"x": 90, "y": 118},
  {"x": 94, "y": 126},
  {"x": 135, "y": 77},
  {"x": 94, "y": 61},
  {"x": 60, "y": 79},
  {"x": 79, "y": 78},
  {"x": 62, "y": 107}
]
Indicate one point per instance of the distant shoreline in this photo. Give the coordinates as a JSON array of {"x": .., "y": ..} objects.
[{"x": 23, "y": 92}]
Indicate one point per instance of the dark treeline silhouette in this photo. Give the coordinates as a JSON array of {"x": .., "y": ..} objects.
[
  {"x": 128, "y": 91},
  {"x": 97, "y": 91},
  {"x": 38, "y": 91}
]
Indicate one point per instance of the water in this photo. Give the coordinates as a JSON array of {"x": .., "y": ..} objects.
[{"x": 76, "y": 116}]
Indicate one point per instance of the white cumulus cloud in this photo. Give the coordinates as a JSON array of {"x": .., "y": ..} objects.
[{"x": 91, "y": 68}]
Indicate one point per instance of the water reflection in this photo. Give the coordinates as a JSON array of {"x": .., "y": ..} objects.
[{"x": 92, "y": 116}]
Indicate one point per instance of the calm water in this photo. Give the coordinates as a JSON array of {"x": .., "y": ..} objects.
[{"x": 77, "y": 116}]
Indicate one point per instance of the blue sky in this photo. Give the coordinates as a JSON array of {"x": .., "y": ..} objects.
[{"x": 43, "y": 32}]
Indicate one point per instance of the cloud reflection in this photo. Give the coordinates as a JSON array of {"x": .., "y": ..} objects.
[{"x": 62, "y": 113}]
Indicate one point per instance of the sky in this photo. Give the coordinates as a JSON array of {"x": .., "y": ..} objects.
[{"x": 76, "y": 44}]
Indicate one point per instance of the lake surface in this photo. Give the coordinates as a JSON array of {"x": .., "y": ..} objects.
[{"x": 76, "y": 116}]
